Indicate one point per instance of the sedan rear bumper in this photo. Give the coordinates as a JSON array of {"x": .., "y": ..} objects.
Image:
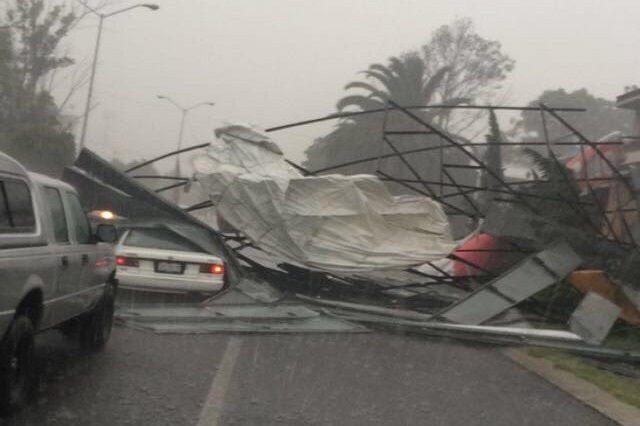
[{"x": 169, "y": 283}]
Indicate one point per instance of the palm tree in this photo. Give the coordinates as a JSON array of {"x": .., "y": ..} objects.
[{"x": 404, "y": 80}]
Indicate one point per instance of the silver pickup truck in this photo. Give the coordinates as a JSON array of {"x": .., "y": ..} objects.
[{"x": 54, "y": 272}]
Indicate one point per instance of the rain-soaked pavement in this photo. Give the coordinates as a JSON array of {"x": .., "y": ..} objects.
[{"x": 306, "y": 380}]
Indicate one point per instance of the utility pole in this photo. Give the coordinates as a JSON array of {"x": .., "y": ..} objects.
[
  {"x": 184, "y": 111},
  {"x": 94, "y": 64}
]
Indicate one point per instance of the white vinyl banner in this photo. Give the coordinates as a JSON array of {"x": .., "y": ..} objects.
[{"x": 331, "y": 223}]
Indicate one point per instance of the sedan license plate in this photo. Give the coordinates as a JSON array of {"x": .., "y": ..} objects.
[{"x": 169, "y": 267}]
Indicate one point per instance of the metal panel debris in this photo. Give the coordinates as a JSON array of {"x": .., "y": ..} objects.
[
  {"x": 254, "y": 291},
  {"x": 549, "y": 338},
  {"x": 593, "y": 318},
  {"x": 248, "y": 307},
  {"x": 309, "y": 325},
  {"x": 598, "y": 282},
  {"x": 103, "y": 186},
  {"x": 530, "y": 276},
  {"x": 603, "y": 200},
  {"x": 180, "y": 313}
]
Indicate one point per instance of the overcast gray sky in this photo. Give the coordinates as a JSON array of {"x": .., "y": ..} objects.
[{"x": 270, "y": 62}]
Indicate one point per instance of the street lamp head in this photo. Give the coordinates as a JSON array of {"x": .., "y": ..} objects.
[
  {"x": 162, "y": 97},
  {"x": 210, "y": 103},
  {"x": 149, "y": 6}
]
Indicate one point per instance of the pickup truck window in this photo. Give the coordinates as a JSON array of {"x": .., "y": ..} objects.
[
  {"x": 56, "y": 210},
  {"x": 16, "y": 212},
  {"x": 80, "y": 221},
  {"x": 5, "y": 224}
]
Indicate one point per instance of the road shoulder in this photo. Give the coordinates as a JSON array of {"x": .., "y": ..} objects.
[{"x": 582, "y": 390}]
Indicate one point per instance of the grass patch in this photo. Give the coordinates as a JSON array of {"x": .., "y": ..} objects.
[
  {"x": 623, "y": 336},
  {"x": 620, "y": 387}
]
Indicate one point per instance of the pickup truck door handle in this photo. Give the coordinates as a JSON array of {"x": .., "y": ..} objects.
[
  {"x": 85, "y": 259},
  {"x": 64, "y": 261}
]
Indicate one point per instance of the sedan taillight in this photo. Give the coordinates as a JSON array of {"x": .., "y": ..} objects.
[
  {"x": 126, "y": 261},
  {"x": 212, "y": 269}
]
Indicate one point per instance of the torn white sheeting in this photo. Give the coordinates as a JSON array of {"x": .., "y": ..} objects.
[{"x": 333, "y": 223}]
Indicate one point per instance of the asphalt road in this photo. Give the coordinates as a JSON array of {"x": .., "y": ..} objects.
[{"x": 306, "y": 380}]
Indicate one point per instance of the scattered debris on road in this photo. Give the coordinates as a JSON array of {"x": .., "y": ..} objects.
[{"x": 550, "y": 261}]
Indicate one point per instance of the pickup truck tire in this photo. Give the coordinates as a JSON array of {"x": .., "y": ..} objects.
[
  {"x": 17, "y": 372},
  {"x": 95, "y": 326}
]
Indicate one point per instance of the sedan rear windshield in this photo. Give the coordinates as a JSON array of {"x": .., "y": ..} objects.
[{"x": 159, "y": 238}]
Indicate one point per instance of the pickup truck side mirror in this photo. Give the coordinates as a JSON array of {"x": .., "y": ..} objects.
[{"x": 106, "y": 233}]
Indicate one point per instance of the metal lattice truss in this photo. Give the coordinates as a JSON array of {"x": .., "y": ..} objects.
[
  {"x": 615, "y": 218},
  {"x": 602, "y": 199}
]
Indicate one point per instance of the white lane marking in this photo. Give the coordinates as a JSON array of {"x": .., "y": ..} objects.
[{"x": 212, "y": 409}]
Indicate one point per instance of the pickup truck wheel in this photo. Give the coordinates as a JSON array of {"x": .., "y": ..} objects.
[
  {"x": 69, "y": 328},
  {"x": 95, "y": 327},
  {"x": 17, "y": 365}
]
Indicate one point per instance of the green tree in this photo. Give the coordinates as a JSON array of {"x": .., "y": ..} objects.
[
  {"x": 555, "y": 187},
  {"x": 601, "y": 118},
  {"x": 7, "y": 76},
  {"x": 476, "y": 66},
  {"x": 41, "y": 149},
  {"x": 38, "y": 29},
  {"x": 493, "y": 156},
  {"x": 29, "y": 117},
  {"x": 561, "y": 217},
  {"x": 456, "y": 66},
  {"x": 403, "y": 80},
  {"x": 493, "y": 160}
]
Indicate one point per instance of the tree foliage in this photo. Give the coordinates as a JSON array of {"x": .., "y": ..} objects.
[
  {"x": 38, "y": 31},
  {"x": 29, "y": 117},
  {"x": 476, "y": 65},
  {"x": 552, "y": 205},
  {"x": 493, "y": 153},
  {"x": 41, "y": 149},
  {"x": 555, "y": 186},
  {"x": 564, "y": 214},
  {"x": 456, "y": 66},
  {"x": 492, "y": 158},
  {"x": 601, "y": 118},
  {"x": 404, "y": 80}
]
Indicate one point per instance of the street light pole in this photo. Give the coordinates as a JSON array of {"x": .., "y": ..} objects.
[
  {"x": 87, "y": 106},
  {"x": 180, "y": 133},
  {"x": 94, "y": 64},
  {"x": 184, "y": 111}
]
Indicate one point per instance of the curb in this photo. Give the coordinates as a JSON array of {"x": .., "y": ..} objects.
[{"x": 586, "y": 392}]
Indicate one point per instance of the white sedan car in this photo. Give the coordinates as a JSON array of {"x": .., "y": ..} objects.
[{"x": 157, "y": 259}]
